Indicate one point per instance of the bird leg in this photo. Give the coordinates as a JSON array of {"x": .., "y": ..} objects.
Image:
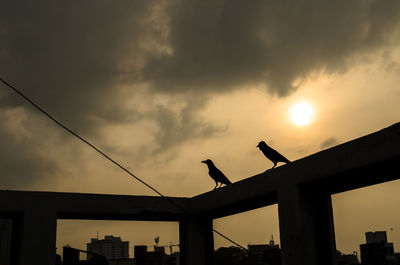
[
  {"x": 274, "y": 165},
  {"x": 220, "y": 185},
  {"x": 216, "y": 185}
]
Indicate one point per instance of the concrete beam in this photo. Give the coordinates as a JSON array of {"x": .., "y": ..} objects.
[
  {"x": 96, "y": 206},
  {"x": 306, "y": 226},
  {"x": 34, "y": 237},
  {"x": 238, "y": 197},
  {"x": 196, "y": 241},
  {"x": 368, "y": 160},
  {"x": 375, "y": 155}
]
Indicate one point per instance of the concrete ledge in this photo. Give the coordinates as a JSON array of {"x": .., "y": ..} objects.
[
  {"x": 368, "y": 160},
  {"x": 95, "y": 206},
  {"x": 244, "y": 195}
]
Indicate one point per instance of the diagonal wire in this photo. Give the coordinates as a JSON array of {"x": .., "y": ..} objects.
[
  {"x": 230, "y": 240},
  {"x": 88, "y": 143},
  {"x": 106, "y": 156}
]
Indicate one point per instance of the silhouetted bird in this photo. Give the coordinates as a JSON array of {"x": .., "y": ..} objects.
[
  {"x": 216, "y": 174},
  {"x": 272, "y": 154}
]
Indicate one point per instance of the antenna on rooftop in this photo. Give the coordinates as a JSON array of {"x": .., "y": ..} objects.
[
  {"x": 97, "y": 234},
  {"x": 271, "y": 242},
  {"x": 157, "y": 240}
]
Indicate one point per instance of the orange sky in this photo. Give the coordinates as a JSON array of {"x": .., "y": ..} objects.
[
  {"x": 258, "y": 116},
  {"x": 162, "y": 85}
]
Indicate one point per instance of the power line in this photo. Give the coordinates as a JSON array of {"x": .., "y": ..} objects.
[
  {"x": 106, "y": 156},
  {"x": 87, "y": 142},
  {"x": 230, "y": 240}
]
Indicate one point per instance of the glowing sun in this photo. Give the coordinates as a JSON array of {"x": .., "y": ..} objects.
[{"x": 302, "y": 113}]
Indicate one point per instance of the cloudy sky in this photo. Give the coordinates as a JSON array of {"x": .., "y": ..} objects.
[{"x": 160, "y": 85}]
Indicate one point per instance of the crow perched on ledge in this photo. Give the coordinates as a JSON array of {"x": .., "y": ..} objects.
[
  {"x": 216, "y": 174},
  {"x": 272, "y": 154}
]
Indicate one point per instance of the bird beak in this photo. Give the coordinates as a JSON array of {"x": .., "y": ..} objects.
[
  {"x": 203, "y": 162},
  {"x": 258, "y": 145}
]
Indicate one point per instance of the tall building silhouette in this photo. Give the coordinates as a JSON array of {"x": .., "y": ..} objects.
[
  {"x": 375, "y": 237},
  {"x": 110, "y": 247},
  {"x": 376, "y": 250}
]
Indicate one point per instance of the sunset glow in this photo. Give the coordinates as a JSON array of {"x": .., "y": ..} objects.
[{"x": 302, "y": 113}]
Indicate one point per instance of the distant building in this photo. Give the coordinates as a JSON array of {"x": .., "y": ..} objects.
[
  {"x": 397, "y": 258},
  {"x": 140, "y": 253},
  {"x": 346, "y": 259},
  {"x": 159, "y": 249},
  {"x": 110, "y": 247},
  {"x": 377, "y": 251},
  {"x": 376, "y": 237},
  {"x": 156, "y": 257},
  {"x": 230, "y": 255},
  {"x": 264, "y": 254}
]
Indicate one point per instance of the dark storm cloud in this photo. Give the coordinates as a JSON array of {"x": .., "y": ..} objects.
[
  {"x": 220, "y": 44},
  {"x": 76, "y": 60},
  {"x": 177, "y": 121},
  {"x": 22, "y": 161},
  {"x": 67, "y": 56},
  {"x": 182, "y": 125},
  {"x": 331, "y": 141},
  {"x": 84, "y": 60},
  {"x": 73, "y": 57}
]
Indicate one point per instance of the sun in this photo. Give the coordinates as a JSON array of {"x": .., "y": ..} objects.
[{"x": 302, "y": 113}]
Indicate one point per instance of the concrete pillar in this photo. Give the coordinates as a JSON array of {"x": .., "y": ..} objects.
[
  {"x": 34, "y": 237},
  {"x": 306, "y": 226},
  {"x": 196, "y": 241}
]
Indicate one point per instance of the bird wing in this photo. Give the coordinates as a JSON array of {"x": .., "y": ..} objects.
[
  {"x": 278, "y": 157},
  {"x": 218, "y": 176}
]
